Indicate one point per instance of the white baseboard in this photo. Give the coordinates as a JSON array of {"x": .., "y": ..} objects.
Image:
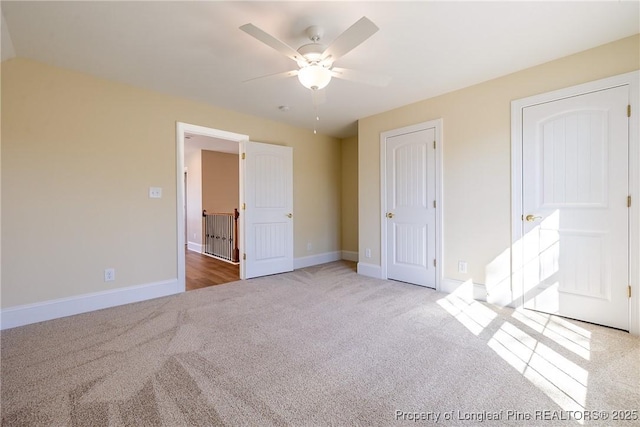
[
  {"x": 466, "y": 289},
  {"x": 53, "y": 309},
  {"x": 308, "y": 261},
  {"x": 370, "y": 270},
  {"x": 195, "y": 247},
  {"x": 350, "y": 256}
]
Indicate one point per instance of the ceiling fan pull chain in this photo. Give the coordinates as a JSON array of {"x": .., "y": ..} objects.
[
  {"x": 314, "y": 97},
  {"x": 315, "y": 122}
]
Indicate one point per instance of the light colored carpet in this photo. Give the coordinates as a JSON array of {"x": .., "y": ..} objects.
[{"x": 319, "y": 346}]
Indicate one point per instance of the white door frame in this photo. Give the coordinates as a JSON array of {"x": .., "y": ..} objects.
[
  {"x": 181, "y": 129},
  {"x": 633, "y": 80},
  {"x": 437, "y": 125}
]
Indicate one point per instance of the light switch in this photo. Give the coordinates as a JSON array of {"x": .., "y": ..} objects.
[{"x": 155, "y": 192}]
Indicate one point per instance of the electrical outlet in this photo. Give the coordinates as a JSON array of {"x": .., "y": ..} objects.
[
  {"x": 309, "y": 246},
  {"x": 109, "y": 274},
  {"x": 367, "y": 253},
  {"x": 462, "y": 267}
]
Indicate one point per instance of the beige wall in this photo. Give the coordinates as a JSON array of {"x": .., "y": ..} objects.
[
  {"x": 349, "y": 210},
  {"x": 220, "y": 183},
  {"x": 476, "y": 155},
  {"x": 79, "y": 154}
]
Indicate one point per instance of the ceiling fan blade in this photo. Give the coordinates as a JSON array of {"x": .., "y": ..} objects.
[
  {"x": 271, "y": 41},
  {"x": 360, "y": 77},
  {"x": 281, "y": 74},
  {"x": 352, "y": 37}
]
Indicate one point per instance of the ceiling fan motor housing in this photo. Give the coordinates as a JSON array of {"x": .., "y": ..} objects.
[
  {"x": 314, "y": 33},
  {"x": 312, "y": 53}
]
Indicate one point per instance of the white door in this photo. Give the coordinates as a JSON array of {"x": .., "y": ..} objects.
[
  {"x": 575, "y": 215},
  {"x": 410, "y": 207},
  {"x": 268, "y": 209}
]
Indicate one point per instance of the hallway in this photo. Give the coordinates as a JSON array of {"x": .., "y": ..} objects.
[{"x": 203, "y": 271}]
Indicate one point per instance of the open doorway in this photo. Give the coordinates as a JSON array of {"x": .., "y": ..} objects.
[
  {"x": 210, "y": 183},
  {"x": 265, "y": 223},
  {"x": 211, "y": 211}
]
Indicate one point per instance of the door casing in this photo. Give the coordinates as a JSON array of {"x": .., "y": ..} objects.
[
  {"x": 437, "y": 125},
  {"x": 633, "y": 81}
]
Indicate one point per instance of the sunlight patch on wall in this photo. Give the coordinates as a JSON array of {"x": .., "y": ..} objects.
[{"x": 498, "y": 279}]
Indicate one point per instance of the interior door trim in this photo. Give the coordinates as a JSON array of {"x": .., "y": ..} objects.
[
  {"x": 632, "y": 80},
  {"x": 432, "y": 124}
]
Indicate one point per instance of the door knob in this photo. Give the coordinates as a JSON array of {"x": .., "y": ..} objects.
[
  {"x": 532, "y": 218},
  {"x": 290, "y": 215},
  {"x": 389, "y": 215}
]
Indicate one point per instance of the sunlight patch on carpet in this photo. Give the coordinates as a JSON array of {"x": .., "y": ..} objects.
[
  {"x": 562, "y": 380},
  {"x": 566, "y": 334},
  {"x": 472, "y": 314}
]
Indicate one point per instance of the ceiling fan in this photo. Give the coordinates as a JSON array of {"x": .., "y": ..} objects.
[{"x": 315, "y": 61}]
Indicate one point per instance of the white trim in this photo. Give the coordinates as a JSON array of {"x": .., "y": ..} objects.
[
  {"x": 241, "y": 202},
  {"x": 195, "y": 247},
  {"x": 370, "y": 270},
  {"x": 634, "y": 211},
  {"x": 467, "y": 289},
  {"x": 438, "y": 126},
  {"x": 53, "y": 309},
  {"x": 181, "y": 128},
  {"x": 350, "y": 256},
  {"x": 311, "y": 260},
  {"x": 633, "y": 80}
]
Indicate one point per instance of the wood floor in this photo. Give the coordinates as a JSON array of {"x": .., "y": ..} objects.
[{"x": 203, "y": 271}]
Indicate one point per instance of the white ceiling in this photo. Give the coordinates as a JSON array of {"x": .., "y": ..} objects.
[{"x": 195, "y": 49}]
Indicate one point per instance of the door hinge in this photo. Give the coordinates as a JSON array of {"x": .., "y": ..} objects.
[
  {"x": 434, "y": 145},
  {"x": 434, "y": 262},
  {"x": 628, "y": 201},
  {"x": 244, "y": 206},
  {"x": 629, "y": 291},
  {"x": 244, "y": 156},
  {"x": 629, "y": 110},
  {"x": 244, "y": 256},
  {"x": 434, "y": 203}
]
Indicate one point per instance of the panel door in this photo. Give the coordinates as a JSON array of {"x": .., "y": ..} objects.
[
  {"x": 575, "y": 222},
  {"x": 410, "y": 208},
  {"x": 268, "y": 213}
]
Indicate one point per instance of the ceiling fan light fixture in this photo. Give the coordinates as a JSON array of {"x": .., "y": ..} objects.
[{"x": 314, "y": 77}]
